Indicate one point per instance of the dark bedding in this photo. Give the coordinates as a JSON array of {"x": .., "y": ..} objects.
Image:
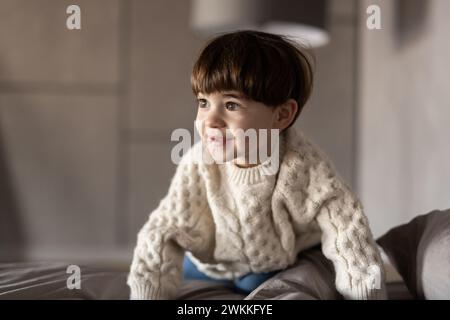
[
  {"x": 49, "y": 281},
  {"x": 418, "y": 250}
]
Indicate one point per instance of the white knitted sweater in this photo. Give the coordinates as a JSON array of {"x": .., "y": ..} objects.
[{"x": 231, "y": 221}]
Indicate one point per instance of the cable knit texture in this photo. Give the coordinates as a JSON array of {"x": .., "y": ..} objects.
[{"x": 231, "y": 221}]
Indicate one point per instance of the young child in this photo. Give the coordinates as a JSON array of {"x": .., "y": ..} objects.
[{"x": 231, "y": 220}]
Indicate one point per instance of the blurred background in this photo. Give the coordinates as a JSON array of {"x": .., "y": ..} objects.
[{"x": 86, "y": 115}]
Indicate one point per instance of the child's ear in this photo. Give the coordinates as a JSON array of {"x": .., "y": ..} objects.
[{"x": 285, "y": 114}]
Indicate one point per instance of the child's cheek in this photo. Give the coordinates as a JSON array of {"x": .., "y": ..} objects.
[{"x": 199, "y": 126}]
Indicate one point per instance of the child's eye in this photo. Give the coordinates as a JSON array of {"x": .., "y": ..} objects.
[
  {"x": 202, "y": 103},
  {"x": 232, "y": 106}
]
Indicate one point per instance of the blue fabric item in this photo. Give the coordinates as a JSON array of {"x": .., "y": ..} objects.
[
  {"x": 251, "y": 281},
  {"x": 244, "y": 284},
  {"x": 190, "y": 272}
]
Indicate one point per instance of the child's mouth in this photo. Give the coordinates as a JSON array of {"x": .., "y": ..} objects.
[{"x": 218, "y": 141}]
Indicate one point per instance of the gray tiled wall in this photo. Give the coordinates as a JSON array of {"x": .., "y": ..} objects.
[
  {"x": 37, "y": 48},
  {"x": 61, "y": 154},
  {"x": 59, "y": 111}
]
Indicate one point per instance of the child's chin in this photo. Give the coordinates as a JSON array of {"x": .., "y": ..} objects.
[{"x": 220, "y": 156}]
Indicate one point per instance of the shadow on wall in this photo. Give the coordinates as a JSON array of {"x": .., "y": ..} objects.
[
  {"x": 12, "y": 235},
  {"x": 410, "y": 18}
]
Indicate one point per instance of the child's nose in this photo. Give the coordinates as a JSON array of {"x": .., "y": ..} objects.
[{"x": 214, "y": 120}]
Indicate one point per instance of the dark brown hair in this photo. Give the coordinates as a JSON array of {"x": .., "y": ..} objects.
[{"x": 265, "y": 67}]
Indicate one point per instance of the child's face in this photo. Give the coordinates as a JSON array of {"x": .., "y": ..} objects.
[{"x": 220, "y": 113}]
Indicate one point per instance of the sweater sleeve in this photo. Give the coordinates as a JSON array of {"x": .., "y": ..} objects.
[
  {"x": 179, "y": 223},
  {"x": 348, "y": 242}
]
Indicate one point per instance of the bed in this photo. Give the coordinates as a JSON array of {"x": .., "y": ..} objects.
[
  {"x": 418, "y": 250},
  {"x": 48, "y": 280}
]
